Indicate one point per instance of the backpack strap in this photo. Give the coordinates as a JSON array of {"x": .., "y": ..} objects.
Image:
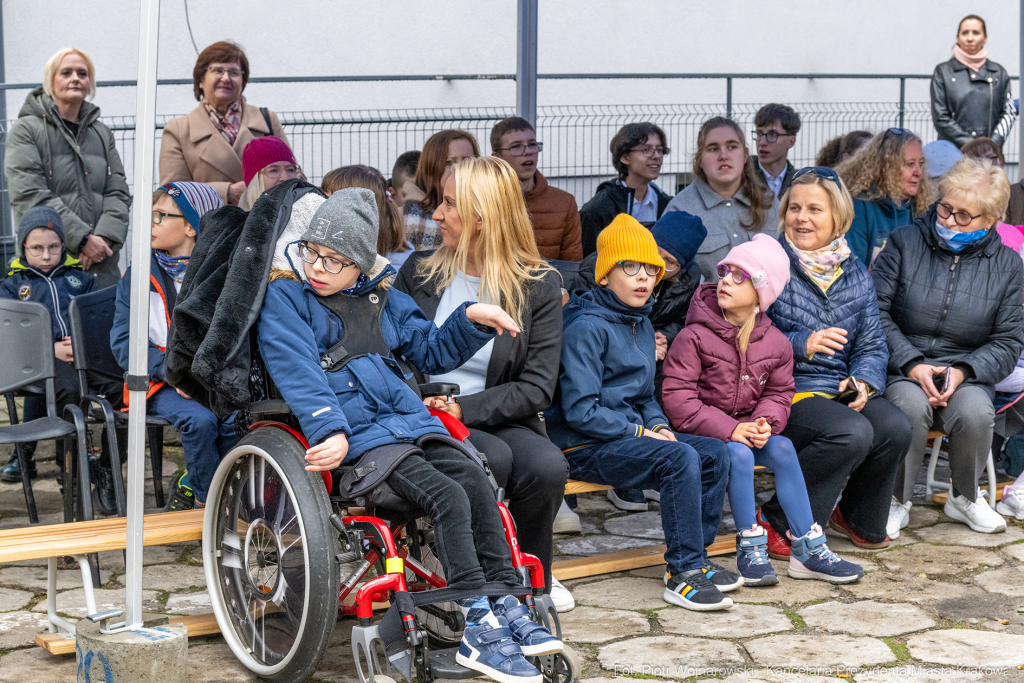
[{"x": 266, "y": 117}]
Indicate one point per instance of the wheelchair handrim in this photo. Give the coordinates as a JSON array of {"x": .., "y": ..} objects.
[{"x": 212, "y": 567}]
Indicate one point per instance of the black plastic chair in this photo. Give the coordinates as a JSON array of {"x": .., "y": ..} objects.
[
  {"x": 91, "y": 317},
  {"x": 88, "y": 337},
  {"x": 26, "y": 335}
]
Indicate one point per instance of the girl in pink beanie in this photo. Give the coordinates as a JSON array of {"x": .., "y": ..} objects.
[
  {"x": 729, "y": 375},
  {"x": 266, "y": 162}
]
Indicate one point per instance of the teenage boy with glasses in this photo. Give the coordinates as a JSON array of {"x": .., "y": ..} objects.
[
  {"x": 638, "y": 152},
  {"x": 553, "y": 212},
  {"x": 775, "y": 129}
]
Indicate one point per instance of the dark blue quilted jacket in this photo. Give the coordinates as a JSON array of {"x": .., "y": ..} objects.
[{"x": 850, "y": 303}]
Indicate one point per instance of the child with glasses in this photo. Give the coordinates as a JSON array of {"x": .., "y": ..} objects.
[
  {"x": 608, "y": 423},
  {"x": 205, "y": 438},
  {"x": 729, "y": 376}
]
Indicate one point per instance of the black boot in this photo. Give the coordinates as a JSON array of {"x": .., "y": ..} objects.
[{"x": 104, "y": 498}]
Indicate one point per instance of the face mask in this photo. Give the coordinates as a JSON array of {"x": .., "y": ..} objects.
[{"x": 959, "y": 240}]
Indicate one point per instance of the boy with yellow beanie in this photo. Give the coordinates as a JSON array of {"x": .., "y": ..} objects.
[{"x": 607, "y": 421}]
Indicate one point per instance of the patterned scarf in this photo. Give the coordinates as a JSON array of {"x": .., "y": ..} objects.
[
  {"x": 821, "y": 265},
  {"x": 175, "y": 266},
  {"x": 958, "y": 240},
  {"x": 230, "y": 123},
  {"x": 360, "y": 281}
]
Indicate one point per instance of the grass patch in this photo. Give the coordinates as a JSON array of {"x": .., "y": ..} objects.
[
  {"x": 642, "y": 676},
  {"x": 899, "y": 649},
  {"x": 797, "y": 620}
]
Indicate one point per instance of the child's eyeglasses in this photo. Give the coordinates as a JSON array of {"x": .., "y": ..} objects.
[
  {"x": 331, "y": 264},
  {"x": 38, "y": 249},
  {"x": 738, "y": 276},
  {"x": 633, "y": 267},
  {"x": 159, "y": 216}
]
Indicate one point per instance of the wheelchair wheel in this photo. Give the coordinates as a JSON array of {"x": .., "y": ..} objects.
[{"x": 269, "y": 555}]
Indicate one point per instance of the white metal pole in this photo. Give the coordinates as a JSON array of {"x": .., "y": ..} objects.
[{"x": 138, "y": 362}]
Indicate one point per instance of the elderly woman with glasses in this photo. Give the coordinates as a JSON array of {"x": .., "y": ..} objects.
[
  {"x": 950, "y": 299},
  {"x": 885, "y": 178},
  {"x": 848, "y": 438},
  {"x": 206, "y": 145}
]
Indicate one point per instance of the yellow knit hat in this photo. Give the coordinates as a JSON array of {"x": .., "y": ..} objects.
[{"x": 626, "y": 240}]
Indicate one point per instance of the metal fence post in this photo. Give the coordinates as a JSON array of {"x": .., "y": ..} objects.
[
  {"x": 1020, "y": 89},
  {"x": 728, "y": 95},
  {"x": 903, "y": 97},
  {"x": 526, "y": 62}
]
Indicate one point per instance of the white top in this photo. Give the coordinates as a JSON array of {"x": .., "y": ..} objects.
[
  {"x": 774, "y": 184},
  {"x": 471, "y": 377},
  {"x": 645, "y": 211}
]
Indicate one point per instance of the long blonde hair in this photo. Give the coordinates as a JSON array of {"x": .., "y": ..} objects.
[
  {"x": 876, "y": 171},
  {"x": 505, "y": 252}
]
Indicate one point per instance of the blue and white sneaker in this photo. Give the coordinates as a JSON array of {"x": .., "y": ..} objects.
[
  {"x": 721, "y": 578},
  {"x": 490, "y": 649},
  {"x": 531, "y": 637},
  {"x": 752, "y": 559},
  {"x": 812, "y": 559},
  {"x": 694, "y": 590}
]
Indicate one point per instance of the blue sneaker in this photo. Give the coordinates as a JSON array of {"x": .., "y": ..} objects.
[
  {"x": 752, "y": 559},
  {"x": 490, "y": 649},
  {"x": 812, "y": 559},
  {"x": 694, "y": 590},
  {"x": 532, "y": 638}
]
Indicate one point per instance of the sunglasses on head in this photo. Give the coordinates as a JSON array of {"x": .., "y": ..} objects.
[
  {"x": 823, "y": 172},
  {"x": 896, "y": 132}
]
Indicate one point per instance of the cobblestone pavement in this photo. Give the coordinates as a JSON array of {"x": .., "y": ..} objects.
[{"x": 942, "y": 604}]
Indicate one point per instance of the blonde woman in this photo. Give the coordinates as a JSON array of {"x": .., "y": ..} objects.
[
  {"x": 489, "y": 255},
  {"x": 59, "y": 155},
  {"x": 885, "y": 178},
  {"x": 950, "y": 299}
]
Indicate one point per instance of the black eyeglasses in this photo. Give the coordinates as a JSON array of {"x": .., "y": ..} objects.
[
  {"x": 772, "y": 135},
  {"x": 520, "y": 150},
  {"x": 823, "y": 172},
  {"x": 962, "y": 218},
  {"x": 331, "y": 264},
  {"x": 650, "y": 150},
  {"x": 633, "y": 267},
  {"x": 159, "y": 216}
]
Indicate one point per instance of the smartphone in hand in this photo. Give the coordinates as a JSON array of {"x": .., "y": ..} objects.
[
  {"x": 942, "y": 381},
  {"x": 851, "y": 393}
]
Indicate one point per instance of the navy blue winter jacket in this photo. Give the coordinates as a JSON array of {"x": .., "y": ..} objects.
[
  {"x": 160, "y": 310},
  {"x": 606, "y": 378},
  {"x": 851, "y": 304},
  {"x": 55, "y": 290},
  {"x": 366, "y": 399}
]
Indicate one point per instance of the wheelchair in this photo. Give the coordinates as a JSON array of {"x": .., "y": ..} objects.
[{"x": 276, "y": 539}]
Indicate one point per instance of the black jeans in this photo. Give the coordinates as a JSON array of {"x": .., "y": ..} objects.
[
  {"x": 533, "y": 472},
  {"x": 845, "y": 452},
  {"x": 455, "y": 493}
]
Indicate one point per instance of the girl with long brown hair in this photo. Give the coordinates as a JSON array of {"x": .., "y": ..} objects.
[
  {"x": 441, "y": 152},
  {"x": 391, "y": 242}
]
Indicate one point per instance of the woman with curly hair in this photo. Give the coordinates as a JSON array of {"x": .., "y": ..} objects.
[{"x": 884, "y": 177}]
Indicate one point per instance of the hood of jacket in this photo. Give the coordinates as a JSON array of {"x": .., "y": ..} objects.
[{"x": 41, "y": 105}]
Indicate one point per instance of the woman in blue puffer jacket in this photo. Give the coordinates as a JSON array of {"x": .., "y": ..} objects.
[{"x": 849, "y": 439}]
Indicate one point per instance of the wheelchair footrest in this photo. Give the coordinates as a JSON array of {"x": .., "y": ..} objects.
[{"x": 443, "y": 665}]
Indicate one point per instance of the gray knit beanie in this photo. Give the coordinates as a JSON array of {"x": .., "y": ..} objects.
[{"x": 348, "y": 223}]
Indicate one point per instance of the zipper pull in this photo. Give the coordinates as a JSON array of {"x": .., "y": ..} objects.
[
  {"x": 634, "y": 329},
  {"x": 952, "y": 266}
]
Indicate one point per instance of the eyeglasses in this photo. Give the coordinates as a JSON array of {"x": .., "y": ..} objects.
[
  {"x": 650, "y": 150},
  {"x": 38, "y": 249},
  {"x": 275, "y": 172},
  {"x": 962, "y": 218},
  {"x": 220, "y": 71},
  {"x": 159, "y": 216},
  {"x": 771, "y": 136},
  {"x": 738, "y": 276},
  {"x": 633, "y": 267},
  {"x": 823, "y": 172},
  {"x": 520, "y": 150},
  {"x": 671, "y": 266},
  {"x": 331, "y": 264}
]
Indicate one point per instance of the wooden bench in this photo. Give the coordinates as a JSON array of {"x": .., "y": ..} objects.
[{"x": 931, "y": 484}]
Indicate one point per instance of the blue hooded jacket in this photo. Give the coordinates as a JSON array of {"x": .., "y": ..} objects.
[
  {"x": 873, "y": 220},
  {"x": 55, "y": 289},
  {"x": 366, "y": 400},
  {"x": 606, "y": 379},
  {"x": 851, "y": 304}
]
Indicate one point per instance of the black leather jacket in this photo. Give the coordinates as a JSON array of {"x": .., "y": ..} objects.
[{"x": 967, "y": 105}]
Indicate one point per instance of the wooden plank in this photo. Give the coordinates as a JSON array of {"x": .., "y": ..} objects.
[
  {"x": 79, "y": 538},
  {"x": 941, "y": 497},
  {"x": 198, "y": 625},
  {"x": 573, "y": 487},
  {"x": 636, "y": 558},
  {"x": 55, "y": 643}
]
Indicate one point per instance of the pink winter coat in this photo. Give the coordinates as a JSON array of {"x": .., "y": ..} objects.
[{"x": 710, "y": 387}]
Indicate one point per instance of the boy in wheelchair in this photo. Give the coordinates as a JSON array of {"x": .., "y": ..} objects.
[{"x": 348, "y": 404}]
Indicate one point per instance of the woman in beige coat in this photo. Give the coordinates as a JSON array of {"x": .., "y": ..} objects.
[{"x": 206, "y": 145}]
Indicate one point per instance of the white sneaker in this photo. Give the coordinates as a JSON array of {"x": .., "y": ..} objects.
[
  {"x": 651, "y": 494},
  {"x": 566, "y": 521},
  {"x": 1012, "y": 504},
  {"x": 561, "y": 597},
  {"x": 977, "y": 515},
  {"x": 899, "y": 518}
]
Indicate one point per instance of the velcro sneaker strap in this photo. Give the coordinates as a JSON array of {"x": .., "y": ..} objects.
[{"x": 494, "y": 635}]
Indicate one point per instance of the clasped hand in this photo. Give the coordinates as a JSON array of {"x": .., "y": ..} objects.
[{"x": 754, "y": 434}]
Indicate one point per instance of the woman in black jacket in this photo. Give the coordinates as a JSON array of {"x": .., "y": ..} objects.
[
  {"x": 949, "y": 297},
  {"x": 489, "y": 255},
  {"x": 970, "y": 93}
]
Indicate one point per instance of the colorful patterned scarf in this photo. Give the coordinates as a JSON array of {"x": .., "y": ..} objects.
[
  {"x": 821, "y": 265},
  {"x": 958, "y": 240},
  {"x": 175, "y": 266},
  {"x": 230, "y": 123}
]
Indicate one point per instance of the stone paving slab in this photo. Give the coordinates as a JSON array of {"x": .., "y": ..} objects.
[
  {"x": 210, "y": 659},
  {"x": 668, "y": 656},
  {"x": 638, "y": 525},
  {"x": 622, "y": 593},
  {"x": 925, "y": 558},
  {"x": 601, "y": 545},
  {"x": 1016, "y": 551},
  {"x": 840, "y": 544},
  {"x": 968, "y": 648},
  {"x": 917, "y": 673},
  {"x": 739, "y": 621},
  {"x": 171, "y": 577},
  {"x": 34, "y": 578},
  {"x": 793, "y": 650},
  {"x": 923, "y": 515},
  {"x": 12, "y": 599},
  {"x": 904, "y": 587},
  {"x": 36, "y": 665},
  {"x": 18, "y": 629},
  {"x": 867, "y": 618},
  {"x": 953, "y": 533},
  {"x": 766, "y": 675},
  {"x": 980, "y": 605},
  {"x": 1008, "y": 581},
  {"x": 188, "y": 603},
  {"x": 72, "y": 602},
  {"x": 597, "y": 625}
]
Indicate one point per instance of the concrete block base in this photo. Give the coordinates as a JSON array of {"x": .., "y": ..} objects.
[{"x": 158, "y": 654}]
